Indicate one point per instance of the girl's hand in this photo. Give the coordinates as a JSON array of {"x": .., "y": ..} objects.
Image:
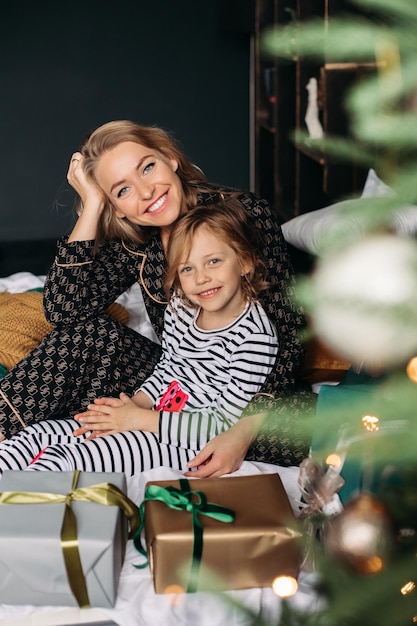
[{"x": 107, "y": 416}]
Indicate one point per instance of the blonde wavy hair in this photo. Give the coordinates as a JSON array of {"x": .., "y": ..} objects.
[
  {"x": 228, "y": 221},
  {"x": 110, "y": 135}
]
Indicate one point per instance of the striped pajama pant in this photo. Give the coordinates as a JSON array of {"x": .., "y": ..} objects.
[{"x": 52, "y": 441}]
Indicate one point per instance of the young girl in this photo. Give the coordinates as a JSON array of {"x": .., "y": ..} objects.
[{"x": 218, "y": 348}]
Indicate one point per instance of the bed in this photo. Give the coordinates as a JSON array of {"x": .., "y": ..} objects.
[{"x": 137, "y": 602}]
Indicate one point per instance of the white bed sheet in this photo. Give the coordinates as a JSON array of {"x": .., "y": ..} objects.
[{"x": 137, "y": 604}]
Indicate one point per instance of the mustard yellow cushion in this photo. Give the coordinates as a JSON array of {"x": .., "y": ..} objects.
[{"x": 23, "y": 324}]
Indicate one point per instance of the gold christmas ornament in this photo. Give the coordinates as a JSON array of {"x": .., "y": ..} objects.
[{"x": 361, "y": 536}]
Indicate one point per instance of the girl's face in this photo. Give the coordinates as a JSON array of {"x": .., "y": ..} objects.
[
  {"x": 141, "y": 184},
  {"x": 211, "y": 278}
]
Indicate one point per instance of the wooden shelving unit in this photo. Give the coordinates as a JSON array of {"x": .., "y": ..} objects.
[
  {"x": 293, "y": 178},
  {"x": 274, "y": 113}
]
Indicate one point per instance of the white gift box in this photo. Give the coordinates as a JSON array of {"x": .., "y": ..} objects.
[{"x": 33, "y": 567}]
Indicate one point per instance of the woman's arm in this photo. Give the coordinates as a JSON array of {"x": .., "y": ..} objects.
[
  {"x": 83, "y": 282},
  {"x": 279, "y": 300},
  {"x": 279, "y": 433},
  {"x": 285, "y": 401},
  {"x": 225, "y": 453}
]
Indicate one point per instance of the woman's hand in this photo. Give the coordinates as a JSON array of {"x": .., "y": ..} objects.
[
  {"x": 225, "y": 453},
  {"x": 114, "y": 415},
  {"x": 92, "y": 199},
  {"x": 85, "y": 188}
]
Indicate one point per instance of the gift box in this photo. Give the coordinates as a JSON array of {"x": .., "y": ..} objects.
[
  {"x": 364, "y": 449},
  {"x": 339, "y": 408},
  {"x": 219, "y": 533},
  {"x": 62, "y": 537}
]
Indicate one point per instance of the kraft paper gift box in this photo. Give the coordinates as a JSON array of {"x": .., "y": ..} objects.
[
  {"x": 261, "y": 543},
  {"x": 37, "y": 565}
]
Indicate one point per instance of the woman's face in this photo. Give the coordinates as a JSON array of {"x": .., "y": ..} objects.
[{"x": 141, "y": 184}]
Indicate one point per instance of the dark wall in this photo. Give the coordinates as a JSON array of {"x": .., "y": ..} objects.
[{"x": 67, "y": 67}]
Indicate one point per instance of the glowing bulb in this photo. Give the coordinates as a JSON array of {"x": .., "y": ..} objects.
[
  {"x": 408, "y": 588},
  {"x": 176, "y": 592},
  {"x": 373, "y": 565},
  {"x": 174, "y": 589},
  {"x": 371, "y": 422},
  {"x": 334, "y": 459},
  {"x": 284, "y": 586},
  {"x": 411, "y": 369}
]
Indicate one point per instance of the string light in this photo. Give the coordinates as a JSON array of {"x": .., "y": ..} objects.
[
  {"x": 176, "y": 592},
  {"x": 371, "y": 422},
  {"x": 411, "y": 369},
  {"x": 284, "y": 586},
  {"x": 408, "y": 588},
  {"x": 334, "y": 460}
]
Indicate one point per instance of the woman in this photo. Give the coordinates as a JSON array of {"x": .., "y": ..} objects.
[
  {"x": 133, "y": 183},
  {"x": 218, "y": 346}
]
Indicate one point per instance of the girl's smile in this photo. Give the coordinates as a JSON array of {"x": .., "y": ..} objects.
[
  {"x": 211, "y": 278},
  {"x": 209, "y": 293}
]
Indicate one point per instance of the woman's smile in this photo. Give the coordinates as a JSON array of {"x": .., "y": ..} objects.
[
  {"x": 158, "y": 205},
  {"x": 142, "y": 185}
]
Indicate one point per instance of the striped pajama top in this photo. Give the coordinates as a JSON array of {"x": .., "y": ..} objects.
[{"x": 220, "y": 370}]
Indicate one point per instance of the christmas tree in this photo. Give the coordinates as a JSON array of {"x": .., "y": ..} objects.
[{"x": 361, "y": 298}]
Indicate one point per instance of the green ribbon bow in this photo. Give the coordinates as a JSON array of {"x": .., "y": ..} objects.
[
  {"x": 102, "y": 493},
  {"x": 183, "y": 499}
]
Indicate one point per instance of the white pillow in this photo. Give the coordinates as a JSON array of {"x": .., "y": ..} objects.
[
  {"x": 308, "y": 230},
  {"x": 374, "y": 187}
]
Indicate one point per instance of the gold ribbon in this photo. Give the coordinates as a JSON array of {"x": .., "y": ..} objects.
[{"x": 101, "y": 493}]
